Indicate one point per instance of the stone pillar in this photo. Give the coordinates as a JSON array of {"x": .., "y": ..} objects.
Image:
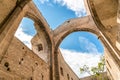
[
  {"x": 118, "y": 13},
  {"x": 10, "y": 27},
  {"x": 118, "y": 31}
]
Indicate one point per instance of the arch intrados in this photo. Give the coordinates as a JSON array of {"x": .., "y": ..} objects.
[
  {"x": 31, "y": 16},
  {"x": 77, "y": 30},
  {"x": 36, "y": 20},
  {"x": 41, "y": 25}
]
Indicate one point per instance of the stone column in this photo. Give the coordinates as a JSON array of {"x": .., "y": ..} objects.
[
  {"x": 118, "y": 31},
  {"x": 10, "y": 27}
]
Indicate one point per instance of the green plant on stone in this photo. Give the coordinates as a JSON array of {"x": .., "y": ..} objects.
[{"x": 95, "y": 72}]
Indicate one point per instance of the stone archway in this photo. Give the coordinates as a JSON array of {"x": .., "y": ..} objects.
[
  {"x": 42, "y": 25},
  {"x": 78, "y": 24},
  {"x": 73, "y": 25}
]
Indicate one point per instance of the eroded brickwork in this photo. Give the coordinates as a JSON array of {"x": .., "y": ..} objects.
[{"x": 20, "y": 63}]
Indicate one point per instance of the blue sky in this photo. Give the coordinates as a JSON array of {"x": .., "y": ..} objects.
[
  {"x": 84, "y": 39},
  {"x": 56, "y": 11},
  {"x": 82, "y": 44}
]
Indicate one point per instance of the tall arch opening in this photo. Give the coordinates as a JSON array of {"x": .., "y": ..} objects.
[
  {"x": 78, "y": 49},
  {"x": 28, "y": 34},
  {"x": 26, "y": 31}
]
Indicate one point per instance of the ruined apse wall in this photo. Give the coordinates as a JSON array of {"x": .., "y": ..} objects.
[
  {"x": 20, "y": 63},
  {"x": 17, "y": 62},
  {"x": 11, "y": 60}
]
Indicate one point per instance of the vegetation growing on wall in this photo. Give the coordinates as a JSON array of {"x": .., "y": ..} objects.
[{"x": 96, "y": 73}]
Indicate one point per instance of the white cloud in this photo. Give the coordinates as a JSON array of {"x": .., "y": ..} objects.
[
  {"x": 75, "y": 5},
  {"x": 88, "y": 45},
  {"x": 25, "y": 38},
  {"x": 77, "y": 59},
  {"x": 43, "y": 1}
]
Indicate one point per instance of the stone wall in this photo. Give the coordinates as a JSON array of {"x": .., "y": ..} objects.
[
  {"x": 65, "y": 72},
  {"x": 112, "y": 66},
  {"x": 20, "y": 63},
  {"x": 103, "y": 76}
]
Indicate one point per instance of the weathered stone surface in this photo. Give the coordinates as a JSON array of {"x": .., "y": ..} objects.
[
  {"x": 45, "y": 62},
  {"x": 21, "y": 62}
]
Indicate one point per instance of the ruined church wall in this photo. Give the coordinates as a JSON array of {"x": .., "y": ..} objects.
[
  {"x": 20, "y": 63},
  {"x": 65, "y": 72}
]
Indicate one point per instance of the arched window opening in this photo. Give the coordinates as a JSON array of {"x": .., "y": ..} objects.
[
  {"x": 40, "y": 47},
  {"x": 61, "y": 70},
  {"x": 79, "y": 49},
  {"x": 42, "y": 76},
  {"x": 71, "y": 78},
  {"x": 68, "y": 77},
  {"x": 30, "y": 33}
]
